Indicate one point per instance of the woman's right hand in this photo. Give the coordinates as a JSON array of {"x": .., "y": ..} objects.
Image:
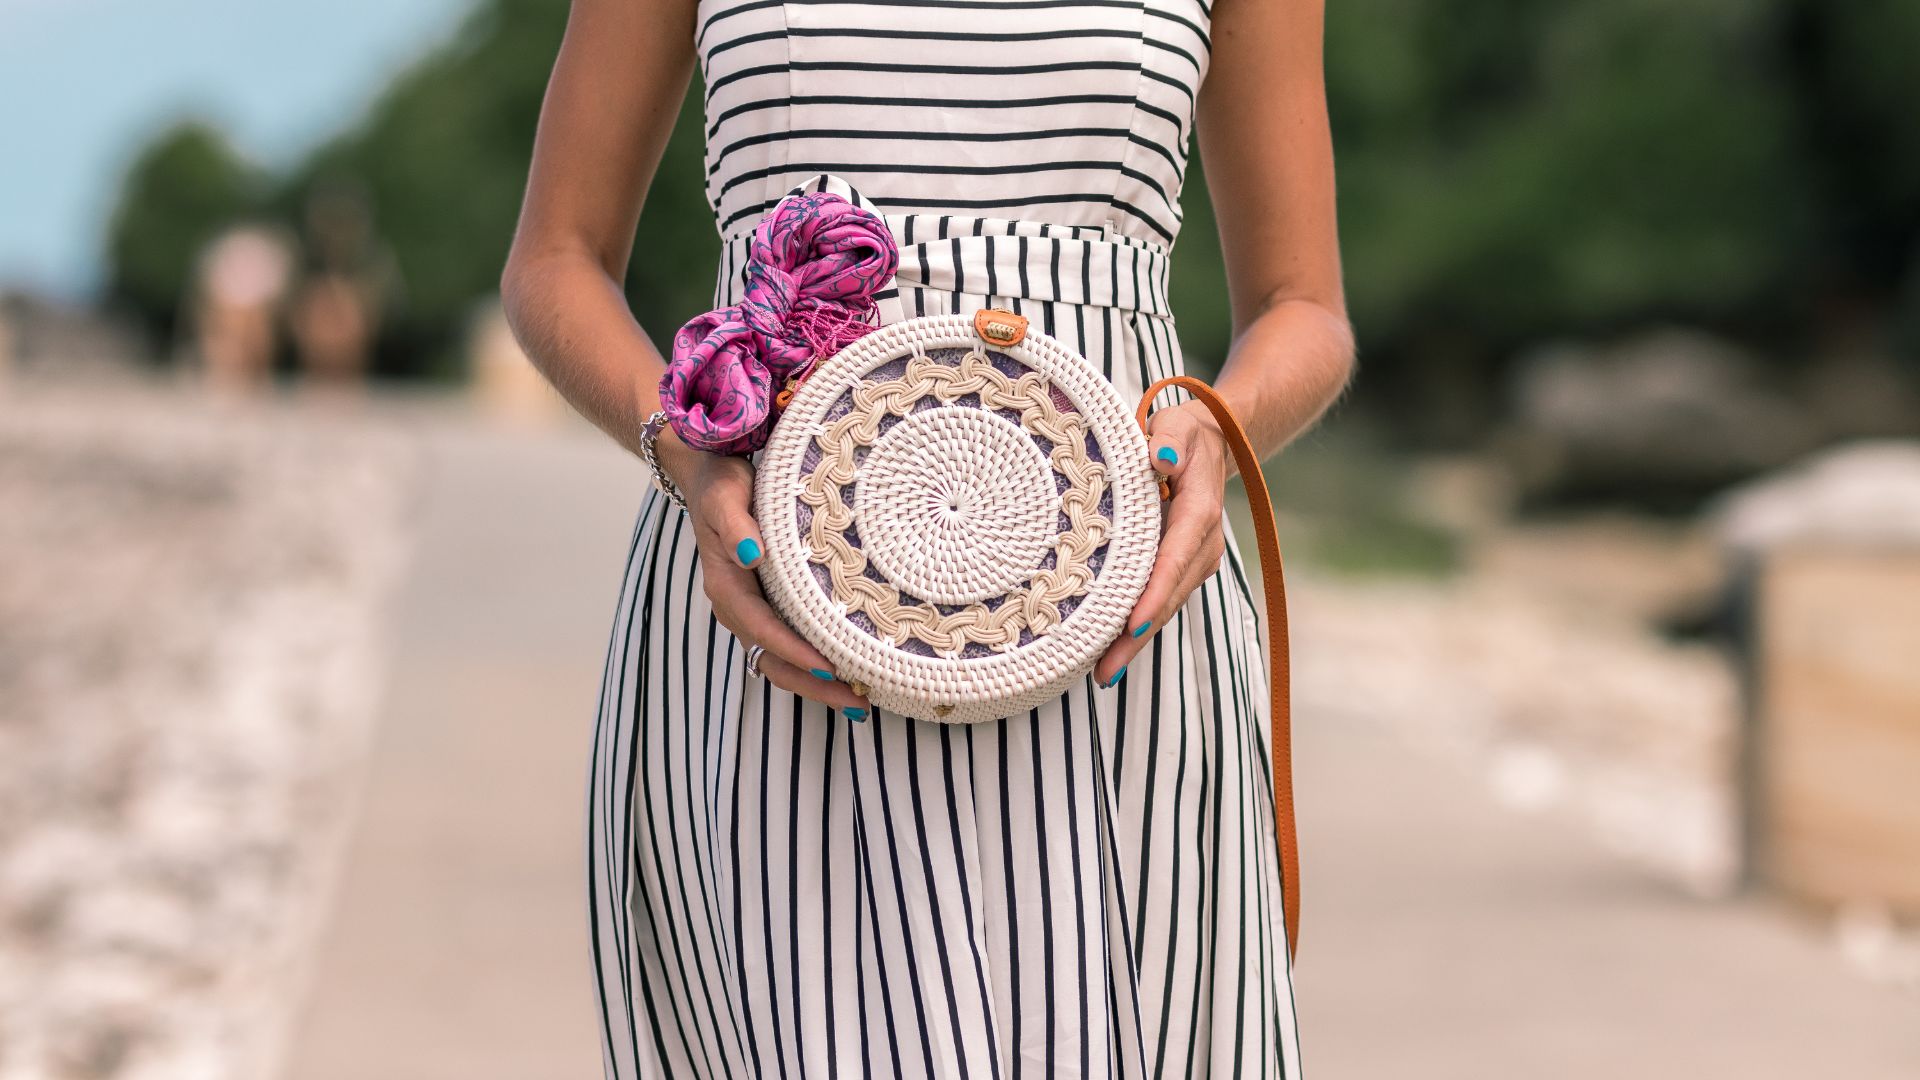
[{"x": 719, "y": 493}]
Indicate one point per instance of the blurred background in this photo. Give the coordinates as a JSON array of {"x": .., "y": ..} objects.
[{"x": 1606, "y": 577}]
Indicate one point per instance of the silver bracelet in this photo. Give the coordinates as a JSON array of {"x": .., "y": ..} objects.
[{"x": 649, "y": 438}]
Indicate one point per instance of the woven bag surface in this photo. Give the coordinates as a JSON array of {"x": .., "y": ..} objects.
[{"x": 961, "y": 527}]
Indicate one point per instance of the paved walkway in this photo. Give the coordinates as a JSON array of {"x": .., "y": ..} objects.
[
  {"x": 458, "y": 946},
  {"x": 1444, "y": 938}
]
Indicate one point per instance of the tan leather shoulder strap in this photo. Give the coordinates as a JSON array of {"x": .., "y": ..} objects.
[{"x": 1274, "y": 585}]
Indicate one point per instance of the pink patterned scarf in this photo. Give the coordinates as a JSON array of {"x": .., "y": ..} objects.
[{"x": 814, "y": 267}]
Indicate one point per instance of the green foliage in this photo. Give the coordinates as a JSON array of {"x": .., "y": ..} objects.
[
  {"x": 1536, "y": 167},
  {"x": 443, "y": 156},
  {"x": 1197, "y": 285},
  {"x": 1857, "y": 66},
  {"x": 182, "y": 190},
  {"x": 1350, "y": 507},
  {"x": 1509, "y": 170},
  {"x": 676, "y": 252}
]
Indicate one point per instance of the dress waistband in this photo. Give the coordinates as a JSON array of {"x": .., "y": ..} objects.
[{"x": 998, "y": 257}]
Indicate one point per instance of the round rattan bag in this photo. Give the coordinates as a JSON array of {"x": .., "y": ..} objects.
[{"x": 959, "y": 512}]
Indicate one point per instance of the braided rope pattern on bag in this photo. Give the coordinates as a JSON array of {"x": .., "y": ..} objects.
[
  {"x": 961, "y": 527},
  {"x": 1034, "y": 606}
]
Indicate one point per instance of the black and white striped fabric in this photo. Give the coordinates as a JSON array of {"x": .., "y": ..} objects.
[{"x": 1086, "y": 890}]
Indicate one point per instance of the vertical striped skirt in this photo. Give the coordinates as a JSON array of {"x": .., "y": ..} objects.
[{"x": 1089, "y": 889}]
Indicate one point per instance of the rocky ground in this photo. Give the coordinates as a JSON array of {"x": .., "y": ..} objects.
[
  {"x": 190, "y": 600},
  {"x": 1542, "y": 665}
]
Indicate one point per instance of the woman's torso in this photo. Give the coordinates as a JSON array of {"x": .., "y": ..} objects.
[{"x": 1068, "y": 112}]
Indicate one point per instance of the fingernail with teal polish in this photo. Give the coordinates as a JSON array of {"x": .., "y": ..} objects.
[
  {"x": 748, "y": 551},
  {"x": 819, "y": 674},
  {"x": 1143, "y": 628},
  {"x": 1117, "y": 676},
  {"x": 858, "y": 716},
  {"x": 1169, "y": 455}
]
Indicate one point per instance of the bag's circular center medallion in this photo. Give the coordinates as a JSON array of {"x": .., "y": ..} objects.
[{"x": 955, "y": 505}]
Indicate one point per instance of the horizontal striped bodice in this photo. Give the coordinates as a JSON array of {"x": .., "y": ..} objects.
[{"x": 1067, "y": 112}]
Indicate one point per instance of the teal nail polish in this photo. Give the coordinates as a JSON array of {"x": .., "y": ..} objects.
[
  {"x": 1169, "y": 455},
  {"x": 819, "y": 674},
  {"x": 1143, "y": 628},
  {"x": 1117, "y": 676},
  {"x": 748, "y": 551},
  {"x": 858, "y": 716}
]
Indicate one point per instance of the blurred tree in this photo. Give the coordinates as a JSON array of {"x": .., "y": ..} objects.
[
  {"x": 1512, "y": 170},
  {"x": 443, "y": 157},
  {"x": 1854, "y": 66},
  {"x": 1509, "y": 171},
  {"x": 181, "y": 191}
]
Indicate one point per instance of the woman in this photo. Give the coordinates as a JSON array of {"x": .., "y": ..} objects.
[{"x": 780, "y": 882}]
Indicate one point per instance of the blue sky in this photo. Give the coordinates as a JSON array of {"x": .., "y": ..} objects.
[{"x": 84, "y": 82}]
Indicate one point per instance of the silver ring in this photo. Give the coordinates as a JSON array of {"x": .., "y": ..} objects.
[{"x": 754, "y": 653}]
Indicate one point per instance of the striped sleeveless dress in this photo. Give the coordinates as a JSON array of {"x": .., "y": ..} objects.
[{"x": 1087, "y": 890}]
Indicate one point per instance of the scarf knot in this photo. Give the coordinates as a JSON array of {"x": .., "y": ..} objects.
[{"x": 814, "y": 267}]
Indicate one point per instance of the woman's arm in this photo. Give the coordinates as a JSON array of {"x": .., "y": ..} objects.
[
  {"x": 615, "y": 92},
  {"x": 1268, "y": 154},
  {"x": 1269, "y": 163},
  {"x": 611, "y": 103}
]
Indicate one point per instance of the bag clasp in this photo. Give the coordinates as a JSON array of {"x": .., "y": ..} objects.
[{"x": 998, "y": 326}]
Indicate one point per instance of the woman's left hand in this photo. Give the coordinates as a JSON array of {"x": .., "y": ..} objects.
[{"x": 1187, "y": 448}]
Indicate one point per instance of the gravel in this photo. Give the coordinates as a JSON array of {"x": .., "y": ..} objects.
[
  {"x": 190, "y": 612},
  {"x": 1561, "y": 710}
]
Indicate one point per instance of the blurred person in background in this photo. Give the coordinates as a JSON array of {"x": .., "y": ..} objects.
[
  {"x": 1062, "y": 917},
  {"x": 335, "y": 316},
  {"x": 240, "y": 295}
]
